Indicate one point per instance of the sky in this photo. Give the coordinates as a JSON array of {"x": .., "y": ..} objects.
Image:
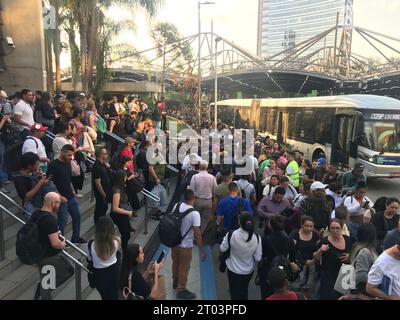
[{"x": 236, "y": 20}]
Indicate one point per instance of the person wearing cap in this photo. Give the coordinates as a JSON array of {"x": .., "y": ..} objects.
[
  {"x": 321, "y": 169},
  {"x": 126, "y": 151},
  {"x": 316, "y": 206},
  {"x": 292, "y": 169},
  {"x": 23, "y": 113},
  {"x": 351, "y": 178},
  {"x": 33, "y": 143}
]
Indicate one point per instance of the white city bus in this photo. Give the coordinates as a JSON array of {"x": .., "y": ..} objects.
[{"x": 344, "y": 129}]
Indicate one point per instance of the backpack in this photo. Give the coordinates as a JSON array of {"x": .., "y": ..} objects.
[
  {"x": 242, "y": 191},
  {"x": 13, "y": 155},
  {"x": 101, "y": 125},
  {"x": 170, "y": 227},
  {"x": 9, "y": 134},
  {"x": 28, "y": 248}
]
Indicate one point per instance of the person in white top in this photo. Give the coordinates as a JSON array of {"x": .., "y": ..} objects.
[
  {"x": 359, "y": 204},
  {"x": 248, "y": 188},
  {"x": 23, "y": 111},
  {"x": 62, "y": 138},
  {"x": 245, "y": 251},
  {"x": 384, "y": 276},
  {"x": 102, "y": 252},
  {"x": 33, "y": 143},
  {"x": 203, "y": 185},
  {"x": 182, "y": 254}
]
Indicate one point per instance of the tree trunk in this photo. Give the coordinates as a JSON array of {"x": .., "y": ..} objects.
[
  {"x": 49, "y": 64},
  {"x": 84, "y": 53},
  {"x": 57, "y": 49}
]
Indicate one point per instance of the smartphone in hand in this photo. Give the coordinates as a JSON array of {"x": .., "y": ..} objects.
[{"x": 161, "y": 257}]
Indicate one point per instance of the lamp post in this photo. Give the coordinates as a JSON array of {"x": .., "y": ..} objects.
[
  {"x": 199, "y": 59},
  {"x": 218, "y": 39}
]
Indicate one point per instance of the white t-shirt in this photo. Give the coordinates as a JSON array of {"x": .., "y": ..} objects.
[
  {"x": 193, "y": 219},
  {"x": 99, "y": 263},
  {"x": 354, "y": 206},
  {"x": 26, "y": 112},
  {"x": 244, "y": 255},
  {"x": 389, "y": 268},
  {"x": 37, "y": 148},
  {"x": 58, "y": 143},
  {"x": 247, "y": 187}
]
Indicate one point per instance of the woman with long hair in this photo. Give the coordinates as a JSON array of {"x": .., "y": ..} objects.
[
  {"x": 131, "y": 186},
  {"x": 119, "y": 207},
  {"x": 245, "y": 251},
  {"x": 131, "y": 277},
  {"x": 304, "y": 242},
  {"x": 103, "y": 254},
  {"x": 364, "y": 255},
  {"x": 91, "y": 117}
]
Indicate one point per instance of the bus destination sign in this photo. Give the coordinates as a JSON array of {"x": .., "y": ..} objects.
[{"x": 382, "y": 116}]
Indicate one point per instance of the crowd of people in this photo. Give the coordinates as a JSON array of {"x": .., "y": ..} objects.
[{"x": 312, "y": 220}]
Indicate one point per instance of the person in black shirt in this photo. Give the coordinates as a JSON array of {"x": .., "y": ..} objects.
[
  {"x": 387, "y": 220},
  {"x": 304, "y": 242},
  {"x": 275, "y": 242},
  {"x": 130, "y": 123},
  {"x": 101, "y": 180},
  {"x": 49, "y": 239},
  {"x": 60, "y": 171},
  {"x": 332, "y": 175},
  {"x": 32, "y": 187},
  {"x": 143, "y": 164},
  {"x": 335, "y": 250},
  {"x": 134, "y": 256}
]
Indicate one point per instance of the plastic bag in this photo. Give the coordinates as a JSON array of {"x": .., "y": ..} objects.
[{"x": 160, "y": 192}]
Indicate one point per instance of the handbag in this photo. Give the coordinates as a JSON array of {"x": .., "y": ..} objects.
[
  {"x": 75, "y": 169},
  {"x": 127, "y": 293},
  {"x": 225, "y": 255},
  {"x": 90, "y": 267},
  {"x": 135, "y": 185}
]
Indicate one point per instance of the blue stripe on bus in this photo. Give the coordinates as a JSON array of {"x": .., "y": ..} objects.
[{"x": 207, "y": 276}]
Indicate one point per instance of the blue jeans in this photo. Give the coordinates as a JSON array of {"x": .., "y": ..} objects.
[
  {"x": 3, "y": 171},
  {"x": 73, "y": 208}
]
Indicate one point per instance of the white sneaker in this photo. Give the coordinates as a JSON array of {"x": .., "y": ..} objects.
[{"x": 78, "y": 195}]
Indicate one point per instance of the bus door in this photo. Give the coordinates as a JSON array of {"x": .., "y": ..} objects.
[
  {"x": 343, "y": 139},
  {"x": 283, "y": 127}
]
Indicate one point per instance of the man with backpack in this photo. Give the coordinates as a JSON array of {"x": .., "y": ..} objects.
[
  {"x": 230, "y": 208},
  {"x": 182, "y": 253},
  {"x": 33, "y": 143},
  {"x": 44, "y": 246}
]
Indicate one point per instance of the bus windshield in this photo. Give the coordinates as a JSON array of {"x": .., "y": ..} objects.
[{"x": 382, "y": 136}]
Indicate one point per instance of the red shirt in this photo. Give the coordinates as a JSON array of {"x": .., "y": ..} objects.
[
  {"x": 291, "y": 296},
  {"x": 127, "y": 151}
]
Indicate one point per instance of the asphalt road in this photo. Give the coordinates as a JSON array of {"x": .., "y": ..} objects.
[{"x": 383, "y": 187}]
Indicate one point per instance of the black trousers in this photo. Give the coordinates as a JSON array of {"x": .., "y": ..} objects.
[
  {"x": 100, "y": 209},
  {"x": 107, "y": 281},
  {"x": 124, "y": 227},
  {"x": 239, "y": 285}
]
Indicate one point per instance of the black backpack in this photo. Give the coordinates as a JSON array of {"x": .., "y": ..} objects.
[
  {"x": 9, "y": 134},
  {"x": 28, "y": 248},
  {"x": 242, "y": 191},
  {"x": 13, "y": 155},
  {"x": 170, "y": 227}
]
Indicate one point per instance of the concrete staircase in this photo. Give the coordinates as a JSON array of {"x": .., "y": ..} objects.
[{"x": 18, "y": 281}]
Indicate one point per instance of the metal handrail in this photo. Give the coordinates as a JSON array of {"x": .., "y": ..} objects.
[
  {"x": 173, "y": 169},
  {"x": 28, "y": 213},
  {"x": 150, "y": 195},
  {"x": 116, "y": 137},
  {"x": 52, "y": 136},
  {"x": 65, "y": 253}
]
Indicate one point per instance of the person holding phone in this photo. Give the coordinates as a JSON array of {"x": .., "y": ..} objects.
[
  {"x": 358, "y": 205},
  {"x": 133, "y": 257},
  {"x": 334, "y": 251}
]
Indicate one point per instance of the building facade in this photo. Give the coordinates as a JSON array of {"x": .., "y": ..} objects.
[
  {"x": 22, "y": 61},
  {"x": 286, "y": 23}
]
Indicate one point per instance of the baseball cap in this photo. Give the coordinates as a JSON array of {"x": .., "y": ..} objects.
[
  {"x": 321, "y": 162},
  {"x": 38, "y": 127},
  {"x": 318, "y": 185},
  {"x": 359, "y": 166}
]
